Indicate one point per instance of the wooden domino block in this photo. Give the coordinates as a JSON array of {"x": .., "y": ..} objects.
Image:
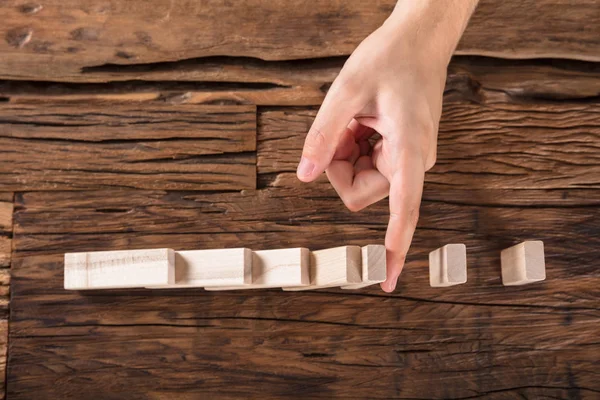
[
  {"x": 276, "y": 268},
  {"x": 448, "y": 265},
  {"x": 119, "y": 269},
  {"x": 339, "y": 266},
  {"x": 218, "y": 267},
  {"x": 373, "y": 266},
  {"x": 523, "y": 263}
]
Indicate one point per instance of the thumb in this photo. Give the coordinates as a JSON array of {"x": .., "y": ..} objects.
[{"x": 337, "y": 111}]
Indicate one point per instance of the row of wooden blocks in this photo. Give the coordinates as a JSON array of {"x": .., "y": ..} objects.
[
  {"x": 521, "y": 264},
  {"x": 349, "y": 267}
]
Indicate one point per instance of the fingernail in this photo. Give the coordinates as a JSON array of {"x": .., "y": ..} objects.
[{"x": 305, "y": 168}]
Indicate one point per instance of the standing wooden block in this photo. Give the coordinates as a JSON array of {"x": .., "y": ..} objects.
[
  {"x": 338, "y": 266},
  {"x": 119, "y": 269},
  {"x": 218, "y": 267},
  {"x": 276, "y": 268},
  {"x": 523, "y": 263},
  {"x": 448, "y": 265},
  {"x": 373, "y": 266}
]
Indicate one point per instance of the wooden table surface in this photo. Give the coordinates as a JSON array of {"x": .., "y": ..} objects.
[{"x": 136, "y": 124}]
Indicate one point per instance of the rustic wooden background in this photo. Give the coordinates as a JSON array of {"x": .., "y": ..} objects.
[{"x": 140, "y": 124}]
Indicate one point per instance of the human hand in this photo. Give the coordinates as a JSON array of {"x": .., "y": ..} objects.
[{"x": 392, "y": 85}]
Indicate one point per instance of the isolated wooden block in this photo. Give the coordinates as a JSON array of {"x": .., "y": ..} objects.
[
  {"x": 373, "y": 266},
  {"x": 119, "y": 269},
  {"x": 448, "y": 265},
  {"x": 198, "y": 268},
  {"x": 276, "y": 268},
  {"x": 338, "y": 266},
  {"x": 523, "y": 263}
]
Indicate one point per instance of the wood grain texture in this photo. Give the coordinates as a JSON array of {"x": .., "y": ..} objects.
[
  {"x": 5, "y": 251},
  {"x": 480, "y": 146},
  {"x": 4, "y": 307},
  {"x": 6, "y": 227},
  {"x": 73, "y": 34},
  {"x": 533, "y": 340},
  {"x": 236, "y": 344},
  {"x": 199, "y": 268},
  {"x": 276, "y": 268},
  {"x": 283, "y": 218},
  {"x": 4, "y": 303},
  {"x": 227, "y": 80},
  {"x": 6, "y": 213},
  {"x": 59, "y": 147},
  {"x": 119, "y": 269},
  {"x": 3, "y": 355},
  {"x": 557, "y": 198},
  {"x": 110, "y": 91}
]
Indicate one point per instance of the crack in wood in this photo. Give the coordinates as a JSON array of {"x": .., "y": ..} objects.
[
  {"x": 200, "y": 63},
  {"x": 470, "y": 78}
]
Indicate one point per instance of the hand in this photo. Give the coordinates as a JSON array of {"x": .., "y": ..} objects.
[{"x": 392, "y": 85}]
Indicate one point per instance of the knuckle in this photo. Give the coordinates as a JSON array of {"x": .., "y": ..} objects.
[
  {"x": 315, "y": 141},
  {"x": 414, "y": 216},
  {"x": 344, "y": 87},
  {"x": 353, "y": 206},
  {"x": 352, "y": 203},
  {"x": 411, "y": 217}
]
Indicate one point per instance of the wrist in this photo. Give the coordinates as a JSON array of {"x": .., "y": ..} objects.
[{"x": 434, "y": 26}]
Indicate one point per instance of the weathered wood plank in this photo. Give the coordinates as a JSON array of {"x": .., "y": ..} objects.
[
  {"x": 480, "y": 146},
  {"x": 223, "y": 354},
  {"x": 522, "y": 80},
  {"x": 313, "y": 217},
  {"x": 476, "y": 197},
  {"x": 236, "y": 340},
  {"x": 305, "y": 83},
  {"x": 5, "y": 251},
  {"x": 3, "y": 356},
  {"x": 4, "y": 300},
  {"x": 65, "y": 147},
  {"x": 4, "y": 305},
  {"x": 6, "y": 213},
  {"x": 6, "y": 226},
  {"x": 538, "y": 337},
  {"x": 74, "y": 34}
]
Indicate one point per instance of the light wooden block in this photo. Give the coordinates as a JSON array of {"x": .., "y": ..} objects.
[
  {"x": 373, "y": 266},
  {"x": 119, "y": 269},
  {"x": 276, "y": 268},
  {"x": 523, "y": 263},
  {"x": 448, "y": 265},
  {"x": 338, "y": 266},
  {"x": 218, "y": 267}
]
